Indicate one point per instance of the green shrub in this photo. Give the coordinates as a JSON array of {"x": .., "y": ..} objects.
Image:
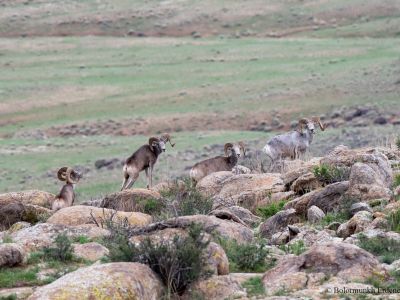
[
  {"x": 394, "y": 221},
  {"x": 396, "y": 181},
  {"x": 184, "y": 201},
  {"x": 7, "y": 238},
  {"x": 152, "y": 206},
  {"x": 296, "y": 248},
  {"x": 327, "y": 174},
  {"x": 334, "y": 217},
  {"x": 270, "y": 209},
  {"x": 9, "y": 297},
  {"x": 379, "y": 281},
  {"x": 398, "y": 143},
  {"x": 117, "y": 242},
  {"x": 81, "y": 239},
  {"x": 62, "y": 251},
  {"x": 178, "y": 262},
  {"x": 248, "y": 257},
  {"x": 254, "y": 286},
  {"x": 387, "y": 250}
]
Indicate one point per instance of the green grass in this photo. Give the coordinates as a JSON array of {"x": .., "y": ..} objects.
[
  {"x": 296, "y": 248},
  {"x": 396, "y": 182},
  {"x": 43, "y": 84},
  {"x": 394, "y": 221},
  {"x": 81, "y": 239},
  {"x": 249, "y": 257},
  {"x": 254, "y": 286},
  {"x": 7, "y": 238},
  {"x": 387, "y": 250},
  {"x": 11, "y": 277},
  {"x": 270, "y": 209},
  {"x": 331, "y": 217}
]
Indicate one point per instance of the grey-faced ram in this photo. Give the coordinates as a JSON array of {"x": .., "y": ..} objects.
[{"x": 293, "y": 144}]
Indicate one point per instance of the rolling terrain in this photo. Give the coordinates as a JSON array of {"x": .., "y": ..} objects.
[{"x": 89, "y": 80}]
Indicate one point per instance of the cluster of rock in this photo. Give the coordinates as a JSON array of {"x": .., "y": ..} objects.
[
  {"x": 333, "y": 257},
  {"x": 353, "y": 116}
]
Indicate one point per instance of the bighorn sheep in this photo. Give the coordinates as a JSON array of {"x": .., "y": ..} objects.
[
  {"x": 66, "y": 196},
  {"x": 144, "y": 159},
  {"x": 218, "y": 163},
  {"x": 293, "y": 143}
]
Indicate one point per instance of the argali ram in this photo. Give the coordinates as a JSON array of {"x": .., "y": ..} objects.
[
  {"x": 218, "y": 163},
  {"x": 144, "y": 159},
  {"x": 293, "y": 144},
  {"x": 66, "y": 197}
]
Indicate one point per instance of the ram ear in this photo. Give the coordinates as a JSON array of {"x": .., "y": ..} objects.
[
  {"x": 242, "y": 146},
  {"x": 226, "y": 147},
  {"x": 301, "y": 125},
  {"x": 153, "y": 140}
]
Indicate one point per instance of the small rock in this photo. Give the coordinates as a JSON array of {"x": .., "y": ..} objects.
[
  {"x": 11, "y": 254},
  {"x": 360, "y": 206},
  {"x": 315, "y": 214},
  {"x": 380, "y": 120}
]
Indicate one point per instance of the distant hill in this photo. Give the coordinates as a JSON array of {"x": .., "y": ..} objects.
[{"x": 274, "y": 18}]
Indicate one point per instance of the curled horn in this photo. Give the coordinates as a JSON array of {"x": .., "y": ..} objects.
[
  {"x": 69, "y": 176},
  {"x": 241, "y": 145},
  {"x": 317, "y": 120},
  {"x": 152, "y": 140},
  {"x": 301, "y": 124},
  {"x": 61, "y": 174},
  {"x": 226, "y": 147},
  {"x": 167, "y": 138}
]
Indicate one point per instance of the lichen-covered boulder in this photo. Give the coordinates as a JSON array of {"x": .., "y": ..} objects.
[
  {"x": 34, "y": 197},
  {"x": 376, "y": 158},
  {"x": 360, "y": 206},
  {"x": 129, "y": 200},
  {"x": 297, "y": 169},
  {"x": 42, "y": 235},
  {"x": 211, "y": 185},
  {"x": 247, "y": 190},
  {"x": 17, "y": 211},
  {"x": 215, "y": 288},
  {"x": 311, "y": 236},
  {"x": 107, "y": 281},
  {"x": 358, "y": 223},
  {"x": 246, "y": 216},
  {"x": 305, "y": 183},
  {"x": 327, "y": 199},
  {"x": 371, "y": 174},
  {"x": 322, "y": 261},
  {"x": 228, "y": 229},
  {"x": 278, "y": 222},
  {"x": 367, "y": 183},
  {"x": 19, "y": 292},
  {"x": 11, "y": 254},
  {"x": 90, "y": 251},
  {"x": 81, "y": 214}
]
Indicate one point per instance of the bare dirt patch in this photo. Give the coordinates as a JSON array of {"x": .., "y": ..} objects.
[{"x": 56, "y": 96}]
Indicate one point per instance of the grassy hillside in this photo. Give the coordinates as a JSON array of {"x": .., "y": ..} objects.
[
  {"x": 200, "y": 18},
  {"x": 209, "y": 73},
  {"x": 53, "y": 81}
]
